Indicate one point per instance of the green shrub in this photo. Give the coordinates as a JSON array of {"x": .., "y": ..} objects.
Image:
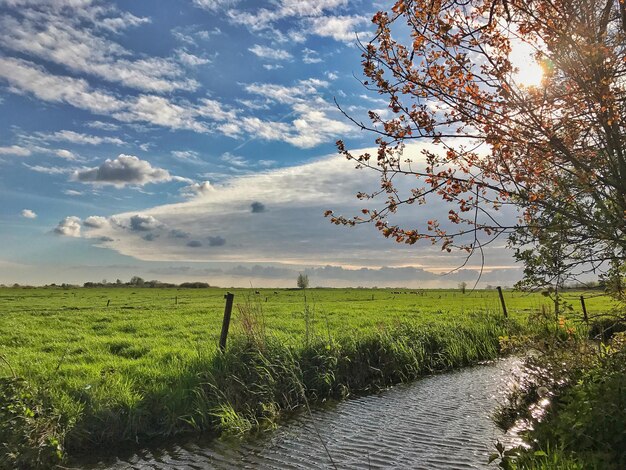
[{"x": 31, "y": 432}]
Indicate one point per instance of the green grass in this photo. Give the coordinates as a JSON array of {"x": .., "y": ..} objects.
[{"x": 147, "y": 365}]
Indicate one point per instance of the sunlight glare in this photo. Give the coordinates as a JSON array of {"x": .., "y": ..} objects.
[{"x": 529, "y": 72}]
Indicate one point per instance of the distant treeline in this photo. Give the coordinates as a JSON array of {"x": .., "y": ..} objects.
[{"x": 136, "y": 281}]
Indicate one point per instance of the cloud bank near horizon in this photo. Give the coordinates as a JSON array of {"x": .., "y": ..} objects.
[{"x": 276, "y": 216}]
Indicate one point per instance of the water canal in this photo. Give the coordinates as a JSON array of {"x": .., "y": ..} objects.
[{"x": 438, "y": 422}]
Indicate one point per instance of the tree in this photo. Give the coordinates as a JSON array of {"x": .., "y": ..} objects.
[
  {"x": 303, "y": 281},
  {"x": 462, "y": 286},
  {"x": 557, "y": 149},
  {"x": 136, "y": 281}
]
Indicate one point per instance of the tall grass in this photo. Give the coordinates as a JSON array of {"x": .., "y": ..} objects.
[{"x": 258, "y": 379}]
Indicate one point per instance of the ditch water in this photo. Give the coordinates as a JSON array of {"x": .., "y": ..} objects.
[{"x": 438, "y": 422}]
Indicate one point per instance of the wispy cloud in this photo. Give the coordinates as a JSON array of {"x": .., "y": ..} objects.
[
  {"x": 49, "y": 170},
  {"x": 186, "y": 155},
  {"x": 214, "y": 5},
  {"x": 15, "y": 150},
  {"x": 104, "y": 126},
  {"x": 271, "y": 53},
  {"x": 27, "y": 77},
  {"x": 78, "y": 138},
  {"x": 67, "y": 39},
  {"x": 264, "y": 18},
  {"x": 309, "y": 56}
]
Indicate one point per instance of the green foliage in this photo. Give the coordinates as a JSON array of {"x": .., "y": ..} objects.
[
  {"x": 303, "y": 281},
  {"x": 590, "y": 417},
  {"x": 574, "y": 399},
  {"x": 31, "y": 431},
  {"x": 551, "y": 459}
]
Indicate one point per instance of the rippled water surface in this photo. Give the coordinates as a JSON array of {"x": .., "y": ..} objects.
[{"x": 438, "y": 422}]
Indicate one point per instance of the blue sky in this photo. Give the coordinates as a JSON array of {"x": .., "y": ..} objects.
[{"x": 193, "y": 140}]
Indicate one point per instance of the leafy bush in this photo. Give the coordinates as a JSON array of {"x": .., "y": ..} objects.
[
  {"x": 584, "y": 423},
  {"x": 31, "y": 433}
]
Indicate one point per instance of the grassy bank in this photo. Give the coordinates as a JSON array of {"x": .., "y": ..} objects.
[
  {"x": 573, "y": 401},
  {"x": 146, "y": 366}
]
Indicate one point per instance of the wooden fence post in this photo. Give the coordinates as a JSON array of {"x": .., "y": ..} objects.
[
  {"x": 582, "y": 303},
  {"x": 176, "y": 300},
  {"x": 108, "y": 302},
  {"x": 226, "y": 323},
  {"x": 506, "y": 314}
]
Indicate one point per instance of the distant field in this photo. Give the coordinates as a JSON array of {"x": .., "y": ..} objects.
[{"x": 73, "y": 332}]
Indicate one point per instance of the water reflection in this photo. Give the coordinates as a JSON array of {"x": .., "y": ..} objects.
[{"x": 438, "y": 422}]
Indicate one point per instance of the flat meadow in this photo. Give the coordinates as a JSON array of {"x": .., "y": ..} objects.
[
  {"x": 113, "y": 365},
  {"x": 77, "y": 333}
]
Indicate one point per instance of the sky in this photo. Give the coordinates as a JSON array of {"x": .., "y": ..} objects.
[{"x": 195, "y": 141}]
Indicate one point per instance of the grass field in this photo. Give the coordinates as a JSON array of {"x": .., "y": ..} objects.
[
  {"x": 75, "y": 334},
  {"x": 116, "y": 364}
]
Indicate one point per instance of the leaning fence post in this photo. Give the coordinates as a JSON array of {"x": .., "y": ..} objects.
[
  {"x": 506, "y": 314},
  {"x": 226, "y": 323},
  {"x": 582, "y": 303}
]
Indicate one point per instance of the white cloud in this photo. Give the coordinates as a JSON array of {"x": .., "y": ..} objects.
[
  {"x": 215, "y": 5},
  {"x": 264, "y": 18},
  {"x": 104, "y": 126},
  {"x": 298, "y": 93},
  {"x": 234, "y": 160},
  {"x": 122, "y": 171},
  {"x": 162, "y": 112},
  {"x": 188, "y": 155},
  {"x": 28, "y": 214},
  {"x": 316, "y": 121},
  {"x": 96, "y": 221},
  {"x": 15, "y": 150},
  {"x": 277, "y": 216},
  {"x": 194, "y": 189},
  {"x": 340, "y": 28},
  {"x": 271, "y": 53},
  {"x": 48, "y": 170},
  {"x": 310, "y": 56},
  {"x": 66, "y": 39},
  {"x": 26, "y": 77},
  {"x": 215, "y": 110},
  {"x": 314, "y": 127},
  {"x": 191, "y": 60},
  {"x": 79, "y": 138},
  {"x": 206, "y": 34},
  {"x": 66, "y": 154},
  {"x": 322, "y": 18},
  {"x": 72, "y": 192},
  {"x": 69, "y": 227},
  {"x": 204, "y": 116}
]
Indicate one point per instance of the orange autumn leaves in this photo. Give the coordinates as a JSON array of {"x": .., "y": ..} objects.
[{"x": 444, "y": 67}]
